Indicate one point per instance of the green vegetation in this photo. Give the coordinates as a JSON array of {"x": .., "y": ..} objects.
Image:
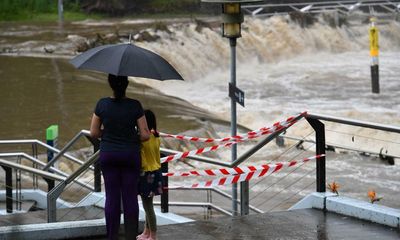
[
  {"x": 46, "y": 10},
  {"x": 40, "y": 10}
]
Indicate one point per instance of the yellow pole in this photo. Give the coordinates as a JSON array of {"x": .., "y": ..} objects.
[{"x": 374, "y": 53}]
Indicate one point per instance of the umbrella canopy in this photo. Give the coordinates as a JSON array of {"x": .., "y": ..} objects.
[{"x": 126, "y": 60}]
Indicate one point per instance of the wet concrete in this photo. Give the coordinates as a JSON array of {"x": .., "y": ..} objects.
[
  {"x": 298, "y": 224},
  {"x": 285, "y": 225}
]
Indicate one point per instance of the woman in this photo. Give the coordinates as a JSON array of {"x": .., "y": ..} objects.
[{"x": 120, "y": 123}]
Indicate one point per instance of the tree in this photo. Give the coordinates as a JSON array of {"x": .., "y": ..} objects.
[{"x": 112, "y": 7}]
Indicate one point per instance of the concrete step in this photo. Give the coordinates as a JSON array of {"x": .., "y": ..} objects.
[
  {"x": 63, "y": 215},
  {"x": 26, "y": 206}
]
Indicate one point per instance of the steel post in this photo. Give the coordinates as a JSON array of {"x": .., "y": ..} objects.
[
  {"x": 9, "y": 196},
  {"x": 375, "y": 78},
  {"x": 164, "y": 195},
  {"x": 319, "y": 129},
  {"x": 97, "y": 170},
  {"x": 232, "y": 42}
]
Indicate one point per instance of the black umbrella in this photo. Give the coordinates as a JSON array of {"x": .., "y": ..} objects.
[{"x": 126, "y": 60}]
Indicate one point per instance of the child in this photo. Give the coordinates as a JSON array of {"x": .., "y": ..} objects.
[{"x": 150, "y": 183}]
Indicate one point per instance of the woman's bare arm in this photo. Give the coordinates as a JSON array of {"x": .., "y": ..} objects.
[
  {"x": 143, "y": 129},
  {"x": 95, "y": 127}
]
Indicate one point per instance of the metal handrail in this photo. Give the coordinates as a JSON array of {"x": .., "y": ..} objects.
[
  {"x": 21, "y": 167},
  {"x": 356, "y": 123},
  {"x": 319, "y": 127},
  {"x": 54, "y": 194},
  {"x": 198, "y": 204},
  {"x": 344, "y": 7},
  {"x": 85, "y": 133},
  {"x": 37, "y": 161},
  {"x": 339, "y": 146},
  {"x": 244, "y": 203},
  {"x": 48, "y": 147},
  {"x": 220, "y": 192}
]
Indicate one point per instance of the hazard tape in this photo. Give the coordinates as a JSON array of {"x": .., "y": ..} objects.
[
  {"x": 194, "y": 152},
  {"x": 237, "y": 170},
  {"x": 245, "y": 176},
  {"x": 249, "y": 135},
  {"x": 276, "y": 127}
]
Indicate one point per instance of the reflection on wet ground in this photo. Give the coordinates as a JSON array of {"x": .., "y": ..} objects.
[{"x": 294, "y": 225}]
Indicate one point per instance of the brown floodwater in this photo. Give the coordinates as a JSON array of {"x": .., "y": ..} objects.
[{"x": 39, "y": 92}]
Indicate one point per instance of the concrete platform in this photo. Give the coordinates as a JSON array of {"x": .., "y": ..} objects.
[{"x": 296, "y": 224}]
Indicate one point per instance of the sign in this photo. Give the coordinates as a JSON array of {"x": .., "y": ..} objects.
[{"x": 236, "y": 94}]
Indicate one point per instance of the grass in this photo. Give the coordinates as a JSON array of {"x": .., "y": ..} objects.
[
  {"x": 47, "y": 17},
  {"x": 46, "y": 10},
  {"x": 40, "y": 10}
]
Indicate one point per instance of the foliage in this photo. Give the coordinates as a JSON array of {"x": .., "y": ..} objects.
[
  {"x": 117, "y": 7},
  {"x": 334, "y": 187},
  {"x": 47, "y": 9},
  {"x": 34, "y": 9},
  {"x": 372, "y": 196}
]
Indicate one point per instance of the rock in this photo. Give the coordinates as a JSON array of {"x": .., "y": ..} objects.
[
  {"x": 160, "y": 26},
  {"x": 81, "y": 43},
  {"x": 48, "y": 50},
  {"x": 145, "y": 36},
  {"x": 202, "y": 24}
]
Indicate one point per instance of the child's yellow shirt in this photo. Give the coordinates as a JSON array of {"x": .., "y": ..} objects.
[{"x": 150, "y": 154}]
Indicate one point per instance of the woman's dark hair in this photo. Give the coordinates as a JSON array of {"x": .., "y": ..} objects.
[
  {"x": 118, "y": 84},
  {"x": 151, "y": 121}
]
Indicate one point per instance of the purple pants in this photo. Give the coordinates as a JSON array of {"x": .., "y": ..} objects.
[{"x": 121, "y": 174}]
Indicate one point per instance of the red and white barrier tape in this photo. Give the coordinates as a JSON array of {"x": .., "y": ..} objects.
[
  {"x": 194, "y": 152},
  {"x": 276, "y": 127},
  {"x": 249, "y": 135},
  {"x": 237, "y": 170},
  {"x": 245, "y": 176}
]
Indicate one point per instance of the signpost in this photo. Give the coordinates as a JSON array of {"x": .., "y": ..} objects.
[
  {"x": 232, "y": 18},
  {"x": 374, "y": 53},
  {"x": 51, "y": 140}
]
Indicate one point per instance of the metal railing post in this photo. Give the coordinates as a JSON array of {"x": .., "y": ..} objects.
[
  {"x": 97, "y": 170},
  {"x": 9, "y": 197},
  {"x": 244, "y": 198},
  {"x": 164, "y": 195},
  {"x": 319, "y": 129},
  {"x": 52, "y": 197},
  {"x": 51, "y": 140}
]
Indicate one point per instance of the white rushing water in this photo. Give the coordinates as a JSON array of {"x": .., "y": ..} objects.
[{"x": 285, "y": 69}]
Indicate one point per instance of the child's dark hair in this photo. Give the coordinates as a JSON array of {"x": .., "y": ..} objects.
[
  {"x": 151, "y": 121},
  {"x": 118, "y": 84}
]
